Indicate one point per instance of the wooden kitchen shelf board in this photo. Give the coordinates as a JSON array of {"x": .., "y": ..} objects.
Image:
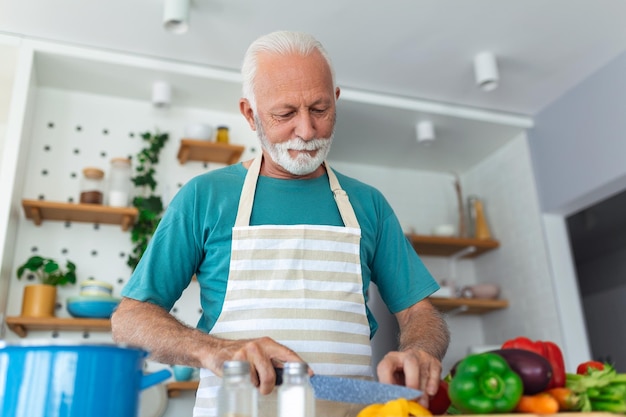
[
  {"x": 467, "y": 305},
  {"x": 449, "y": 246},
  {"x": 174, "y": 389},
  {"x": 22, "y": 325},
  {"x": 206, "y": 151},
  {"x": 40, "y": 210}
]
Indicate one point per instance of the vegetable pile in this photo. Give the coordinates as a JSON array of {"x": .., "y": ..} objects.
[
  {"x": 599, "y": 387},
  {"x": 523, "y": 376}
]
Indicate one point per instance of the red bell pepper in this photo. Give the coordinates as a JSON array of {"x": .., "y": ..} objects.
[{"x": 548, "y": 350}]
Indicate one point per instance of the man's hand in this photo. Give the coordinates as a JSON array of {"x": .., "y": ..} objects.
[
  {"x": 263, "y": 355},
  {"x": 424, "y": 339},
  {"x": 414, "y": 369}
]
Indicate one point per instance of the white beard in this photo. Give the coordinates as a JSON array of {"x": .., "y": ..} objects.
[{"x": 303, "y": 163}]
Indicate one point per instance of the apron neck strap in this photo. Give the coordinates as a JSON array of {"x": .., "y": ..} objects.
[{"x": 249, "y": 187}]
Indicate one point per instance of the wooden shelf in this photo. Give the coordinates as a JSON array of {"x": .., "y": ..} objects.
[
  {"x": 40, "y": 210},
  {"x": 206, "y": 151},
  {"x": 22, "y": 325},
  {"x": 467, "y": 305},
  {"x": 174, "y": 389},
  {"x": 449, "y": 246}
]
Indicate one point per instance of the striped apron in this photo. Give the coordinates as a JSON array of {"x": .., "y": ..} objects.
[{"x": 300, "y": 285}]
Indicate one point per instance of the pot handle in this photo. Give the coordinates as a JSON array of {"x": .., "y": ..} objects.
[{"x": 149, "y": 380}]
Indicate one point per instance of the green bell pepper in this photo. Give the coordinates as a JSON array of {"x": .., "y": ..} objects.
[{"x": 483, "y": 384}]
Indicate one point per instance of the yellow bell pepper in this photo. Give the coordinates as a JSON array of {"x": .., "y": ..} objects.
[{"x": 395, "y": 408}]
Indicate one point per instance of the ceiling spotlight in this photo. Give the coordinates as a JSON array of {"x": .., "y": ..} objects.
[
  {"x": 161, "y": 94},
  {"x": 176, "y": 16},
  {"x": 425, "y": 132},
  {"x": 486, "y": 71}
]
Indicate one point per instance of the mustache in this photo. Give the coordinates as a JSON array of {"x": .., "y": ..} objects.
[{"x": 299, "y": 144}]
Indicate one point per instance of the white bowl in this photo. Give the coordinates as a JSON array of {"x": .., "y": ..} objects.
[
  {"x": 200, "y": 131},
  {"x": 444, "y": 230},
  {"x": 98, "y": 288}
]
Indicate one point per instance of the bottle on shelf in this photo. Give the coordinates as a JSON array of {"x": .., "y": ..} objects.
[
  {"x": 237, "y": 397},
  {"x": 295, "y": 395},
  {"x": 478, "y": 220},
  {"x": 119, "y": 182},
  {"x": 91, "y": 186}
]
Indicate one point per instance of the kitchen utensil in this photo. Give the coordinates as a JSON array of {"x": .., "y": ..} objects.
[
  {"x": 153, "y": 401},
  {"x": 352, "y": 390},
  {"x": 39, "y": 379},
  {"x": 443, "y": 230},
  {"x": 200, "y": 131},
  {"x": 92, "y": 306},
  {"x": 485, "y": 291},
  {"x": 183, "y": 373},
  {"x": 93, "y": 287}
]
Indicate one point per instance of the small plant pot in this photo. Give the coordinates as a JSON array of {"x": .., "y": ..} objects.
[{"x": 39, "y": 300}]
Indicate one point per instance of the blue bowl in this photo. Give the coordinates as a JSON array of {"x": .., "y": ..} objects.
[{"x": 91, "y": 306}]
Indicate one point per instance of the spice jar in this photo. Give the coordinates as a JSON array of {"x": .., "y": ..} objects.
[
  {"x": 91, "y": 186},
  {"x": 119, "y": 182},
  {"x": 222, "y": 134}
]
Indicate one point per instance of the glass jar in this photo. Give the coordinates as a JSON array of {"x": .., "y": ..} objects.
[
  {"x": 222, "y": 134},
  {"x": 119, "y": 182},
  {"x": 295, "y": 394},
  {"x": 92, "y": 186},
  {"x": 237, "y": 396},
  {"x": 478, "y": 220}
]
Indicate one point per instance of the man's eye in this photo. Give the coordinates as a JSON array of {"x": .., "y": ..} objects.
[
  {"x": 318, "y": 111},
  {"x": 285, "y": 115}
]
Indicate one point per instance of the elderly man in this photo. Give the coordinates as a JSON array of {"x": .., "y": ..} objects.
[{"x": 284, "y": 249}]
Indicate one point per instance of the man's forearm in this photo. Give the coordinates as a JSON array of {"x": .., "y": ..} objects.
[
  {"x": 422, "y": 327},
  {"x": 168, "y": 340}
]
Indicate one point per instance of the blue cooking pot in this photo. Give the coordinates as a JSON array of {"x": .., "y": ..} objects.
[{"x": 39, "y": 379}]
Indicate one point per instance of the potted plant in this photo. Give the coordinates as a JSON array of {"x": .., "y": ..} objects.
[{"x": 39, "y": 300}]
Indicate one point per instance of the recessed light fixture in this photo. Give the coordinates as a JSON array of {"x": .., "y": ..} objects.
[
  {"x": 425, "y": 132},
  {"x": 176, "y": 16},
  {"x": 486, "y": 71}
]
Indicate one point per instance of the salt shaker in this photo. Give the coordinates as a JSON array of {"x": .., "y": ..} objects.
[
  {"x": 237, "y": 396},
  {"x": 119, "y": 182},
  {"x": 295, "y": 395}
]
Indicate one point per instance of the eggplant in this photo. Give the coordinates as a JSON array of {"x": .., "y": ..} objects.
[{"x": 534, "y": 369}]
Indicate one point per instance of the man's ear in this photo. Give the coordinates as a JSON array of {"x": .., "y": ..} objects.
[
  {"x": 337, "y": 91},
  {"x": 248, "y": 113}
]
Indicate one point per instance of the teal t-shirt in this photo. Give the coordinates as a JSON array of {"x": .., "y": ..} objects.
[{"x": 194, "y": 237}]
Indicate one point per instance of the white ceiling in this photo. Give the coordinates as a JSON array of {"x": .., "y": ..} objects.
[{"x": 398, "y": 61}]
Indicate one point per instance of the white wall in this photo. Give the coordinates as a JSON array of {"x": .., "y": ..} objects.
[
  {"x": 520, "y": 265},
  {"x": 8, "y": 57},
  {"x": 578, "y": 142}
]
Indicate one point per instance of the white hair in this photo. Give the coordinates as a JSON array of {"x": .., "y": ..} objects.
[{"x": 280, "y": 43}]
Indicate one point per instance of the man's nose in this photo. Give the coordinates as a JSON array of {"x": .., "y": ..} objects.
[{"x": 305, "y": 126}]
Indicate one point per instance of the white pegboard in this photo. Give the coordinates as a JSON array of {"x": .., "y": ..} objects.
[{"x": 73, "y": 130}]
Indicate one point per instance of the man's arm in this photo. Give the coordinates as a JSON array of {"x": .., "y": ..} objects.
[
  {"x": 169, "y": 341},
  {"x": 424, "y": 339}
]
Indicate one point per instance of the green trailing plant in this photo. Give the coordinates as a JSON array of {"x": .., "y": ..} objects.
[
  {"x": 48, "y": 271},
  {"x": 149, "y": 205}
]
